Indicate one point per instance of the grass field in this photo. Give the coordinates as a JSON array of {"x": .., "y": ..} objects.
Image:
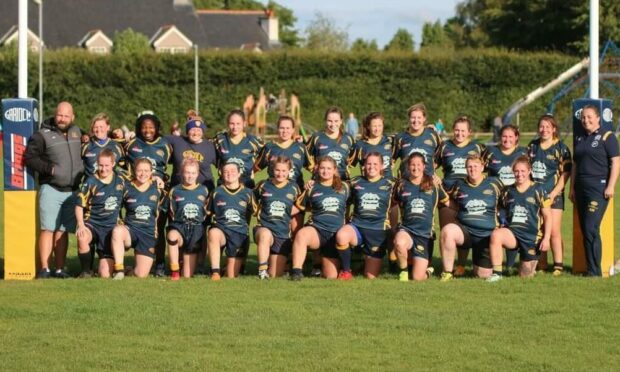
[{"x": 566, "y": 323}]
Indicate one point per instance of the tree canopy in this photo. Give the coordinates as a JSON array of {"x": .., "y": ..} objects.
[
  {"x": 324, "y": 34},
  {"x": 560, "y": 25},
  {"x": 401, "y": 41}
]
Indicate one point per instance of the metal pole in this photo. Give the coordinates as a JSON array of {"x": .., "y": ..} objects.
[
  {"x": 196, "y": 93},
  {"x": 594, "y": 10},
  {"x": 22, "y": 56},
  {"x": 41, "y": 114}
]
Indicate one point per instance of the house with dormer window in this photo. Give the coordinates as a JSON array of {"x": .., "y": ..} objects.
[{"x": 172, "y": 26}]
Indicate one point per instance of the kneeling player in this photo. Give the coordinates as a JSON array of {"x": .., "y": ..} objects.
[
  {"x": 99, "y": 203},
  {"x": 141, "y": 200},
  {"x": 527, "y": 211},
  {"x": 187, "y": 216},
  {"x": 371, "y": 196},
  {"x": 417, "y": 198},
  {"x": 231, "y": 205},
  {"x": 326, "y": 200},
  {"x": 272, "y": 234}
]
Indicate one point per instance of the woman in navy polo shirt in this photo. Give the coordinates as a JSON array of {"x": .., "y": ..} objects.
[{"x": 594, "y": 174}]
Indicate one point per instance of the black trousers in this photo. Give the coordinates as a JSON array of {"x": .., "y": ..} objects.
[{"x": 591, "y": 206}]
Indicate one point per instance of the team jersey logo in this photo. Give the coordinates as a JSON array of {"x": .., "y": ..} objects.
[
  {"x": 297, "y": 156},
  {"x": 331, "y": 204},
  {"x": 190, "y": 211},
  {"x": 458, "y": 166},
  {"x": 369, "y": 202},
  {"x": 277, "y": 209},
  {"x": 143, "y": 213},
  {"x": 539, "y": 170},
  {"x": 232, "y": 215},
  {"x": 387, "y": 161},
  {"x": 189, "y": 154},
  {"x": 110, "y": 204},
  {"x": 160, "y": 153},
  {"x": 506, "y": 175},
  {"x": 519, "y": 215},
  {"x": 237, "y": 161},
  {"x": 417, "y": 206},
  {"x": 336, "y": 156},
  {"x": 476, "y": 207}
]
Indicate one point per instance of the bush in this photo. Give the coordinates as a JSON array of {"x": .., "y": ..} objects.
[{"x": 479, "y": 83}]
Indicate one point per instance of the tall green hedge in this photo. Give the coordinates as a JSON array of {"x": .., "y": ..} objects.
[{"x": 481, "y": 84}]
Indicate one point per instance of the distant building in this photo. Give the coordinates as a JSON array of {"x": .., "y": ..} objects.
[{"x": 172, "y": 26}]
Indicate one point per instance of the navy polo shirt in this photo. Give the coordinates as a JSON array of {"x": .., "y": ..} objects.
[{"x": 593, "y": 154}]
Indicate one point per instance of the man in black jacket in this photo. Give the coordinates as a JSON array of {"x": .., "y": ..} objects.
[{"x": 54, "y": 153}]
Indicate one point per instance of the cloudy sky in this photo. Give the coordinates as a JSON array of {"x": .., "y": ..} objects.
[{"x": 377, "y": 20}]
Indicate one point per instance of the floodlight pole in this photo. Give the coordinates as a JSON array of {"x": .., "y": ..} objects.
[
  {"x": 41, "y": 114},
  {"x": 594, "y": 62},
  {"x": 22, "y": 54},
  {"x": 196, "y": 93}
]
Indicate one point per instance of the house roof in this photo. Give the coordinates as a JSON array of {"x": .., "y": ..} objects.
[
  {"x": 90, "y": 36},
  {"x": 65, "y": 22}
]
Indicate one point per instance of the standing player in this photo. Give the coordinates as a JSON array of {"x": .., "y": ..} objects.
[
  {"x": 417, "y": 138},
  {"x": 477, "y": 199},
  {"x": 186, "y": 224},
  {"x": 236, "y": 146},
  {"x": 142, "y": 201},
  {"x": 96, "y": 212},
  {"x": 417, "y": 197},
  {"x": 272, "y": 233},
  {"x": 551, "y": 166},
  {"x": 100, "y": 140},
  {"x": 527, "y": 211},
  {"x": 333, "y": 142},
  {"x": 231, "y": 205},
  {"x": 285, "y": 145},
  {"x": 371, "y": 196},
  {"x": 597, "y": 164},
  {"x": 373, "y": 140},
  {"x": 326, "y": 201}
]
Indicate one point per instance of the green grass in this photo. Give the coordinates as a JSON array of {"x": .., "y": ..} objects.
[{"x": 567, "y": 323}]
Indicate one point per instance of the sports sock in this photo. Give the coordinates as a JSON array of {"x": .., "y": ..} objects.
[
  {"x": 85, "y": 261},
  {"x": 119, "y": 267},
  {"x": 215, "y": 270},
  {"x": 263, "y": 266},
  {"x": 511, "y": 257},
  {"x": 558, "y": 266},
  {"x": 174, "y": 267},
  {"x": 345, "y": 258}
]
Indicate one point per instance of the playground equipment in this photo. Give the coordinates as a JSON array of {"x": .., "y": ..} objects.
[{"x": 256, "y": 112}]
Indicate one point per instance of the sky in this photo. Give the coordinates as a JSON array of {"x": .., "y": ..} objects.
[{"x": 377, "y": 20}]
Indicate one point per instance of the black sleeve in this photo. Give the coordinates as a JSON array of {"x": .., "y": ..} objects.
[{"x": 35, "y": 157}]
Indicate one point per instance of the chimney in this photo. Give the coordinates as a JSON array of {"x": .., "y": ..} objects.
[{"x": 269, "y": 24}]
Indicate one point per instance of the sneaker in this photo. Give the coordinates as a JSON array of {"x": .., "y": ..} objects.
[
  {"x": 175, "y": 276},
  {"x": 403, "y": 276},
  {"x": 262, "y": 274},
  {"x": 460, "y": 271},
  {"x": 345, "y": 275},
  {"x": 216, "y": 277},
  {"x": 61, "y": 274},
  {"x": 44, "y": 274},
  {"x": 446, "y": 277},
  {"x": 86, "y": 274},
  {"x": 430, "y": 271},
  {"x": 118, "y": 275},
  {"x": 160, "y": 270},
  {"x": 494, "y": 278},
  {"x": 296, "y": 277},
  {"x": 316, "y": 273},
  {"x": 557, "y": 272}
]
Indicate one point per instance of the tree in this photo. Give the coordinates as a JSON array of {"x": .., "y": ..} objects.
[
  {"x": 361, "y": 45},
  {"x": 323, "y": 34},
  {"x": 130, "y": 42},
  {"x": 560, "y": 25},
  {"x": 402, "y": 41},
  {"x": 433, "y": 35},
  {"x": 286, "y": 19}
]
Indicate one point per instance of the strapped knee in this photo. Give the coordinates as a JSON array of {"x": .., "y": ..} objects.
[{"x": 172, "y": 242}]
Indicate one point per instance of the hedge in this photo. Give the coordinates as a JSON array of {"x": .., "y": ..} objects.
[{"x": 478, "y": 83}]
